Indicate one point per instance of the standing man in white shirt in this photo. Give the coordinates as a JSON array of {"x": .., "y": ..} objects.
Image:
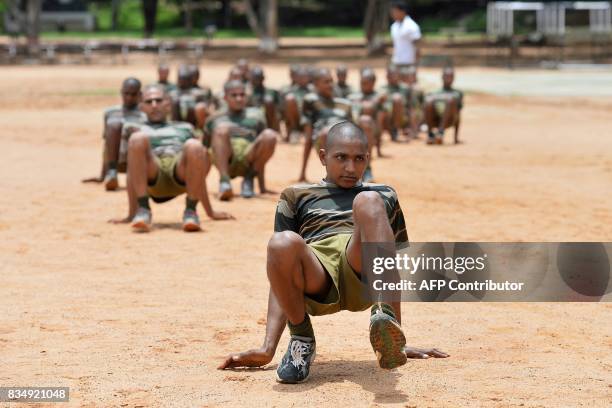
[{"x": 406, "y": 36}]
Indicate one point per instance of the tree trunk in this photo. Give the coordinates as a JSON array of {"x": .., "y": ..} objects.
[
  {"x": 375, "y": 23},
  {"x": 149, "y": 9},
  {"x": 227, "y": 14},
  {"x": 33, "y": 26},
  {"x": 252, "y": 19},
  {"x": 188, "y": 16},
  {"x": 115, "y": 14},
  {"x": 271, "y": 27},
  {"x": 266, "y": 25}
]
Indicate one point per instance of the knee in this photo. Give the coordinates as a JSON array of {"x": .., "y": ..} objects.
[
  {"x": 222, "y": 131},
  {"x": 284, "y": 244},
  {"x": 193, "y": 149},
  {"x": 268, "y": 137},
  {"x": 368, "y": 205},
  {"x": 114, "y": 127},
  {"x": 138, "y": 141},
  {"x": 366, "y": 122}
]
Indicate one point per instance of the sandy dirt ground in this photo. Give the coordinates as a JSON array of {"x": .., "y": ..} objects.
[{"x": 143, "y": 320}]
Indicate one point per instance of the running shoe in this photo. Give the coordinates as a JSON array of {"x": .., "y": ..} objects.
[
  {"x": 247, "y": 189},
  {"x": 111, "y": 182},
  {"x": 225, "y": 190},
  {"x": 387, "y": 338},
  {"x": 191, "y": 221},
  {"x": 295, "y": 365},
  {"x": 142, "y": 220}
]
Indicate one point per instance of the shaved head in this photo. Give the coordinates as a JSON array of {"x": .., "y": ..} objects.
[
  {"x": 233, "y": 83},
  {"x": 321, "y": 73},
  {"x": 368, "y": 73},
  {"x": 344, "y": 131},
  {"x": 131, "y": 82}
]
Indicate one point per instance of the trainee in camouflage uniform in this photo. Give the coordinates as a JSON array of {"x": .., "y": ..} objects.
[{"x": 240, "y": 142}]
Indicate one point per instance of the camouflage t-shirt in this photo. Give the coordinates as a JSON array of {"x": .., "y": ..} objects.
[
  {"x": 120, "y": 114},
  {"x": 321, "y": 112},
  {"x": 166, "y": 138},
  {"x": 258, "y": 96},
  {"x": 247, "y": 124},
  {"x": 299, "y": 92},
  {"x": 358, "y": 98},
  {"x": 444, "y": 94},
  {"x": 404, "y": 91},
  {"x": 168, "y": 86},
  {"x": 343, "y": 91},
  {"x": 318, "y": 211}
]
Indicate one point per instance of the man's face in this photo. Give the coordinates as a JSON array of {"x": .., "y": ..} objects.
[
  {"x": 130, "y": 96},
  {"x": 392, "y": 77},
  {"x": 341, "y": 75},
  {"x": 195, "y": 77},
  {"x": 302, "y": 79},
  {"x": 325, "y": 86},
  {"x": 155, "y": 105},
  {"x": 367, "y": 84},
  {"x": 447, "y": 79},
  {"x": 235, "y": 75},
  {"x": 345, "y": 162},
  {"x": 257, "y": 80},
  {"x": 162, "y": 75},
  {"x": 235, "y": 98},
  {"x": 397, "y": 14},
  {"x": 184, "y": 81}
]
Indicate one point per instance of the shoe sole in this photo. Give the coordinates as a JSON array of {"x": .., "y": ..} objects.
[
  {"x": 226, "y": 195},
  {"x": 388, "y": 342},
  {"x": 141, "y": 226},
  {"x": 111, "y": 185},
  {"x": 191, "y": 227}
]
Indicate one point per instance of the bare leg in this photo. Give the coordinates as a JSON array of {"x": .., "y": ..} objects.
[
  {"x": 371, "y": 225},
  {"x": 141, "y": 168},
  {"x": 222, "y": 149},
  {"x": 292, "y": 113},
  {"x": 450, "y": 114},
  {"x": 367, "y": 125},
  {"x": 272, "y": 116},
  {"x": 201, "y": 112},
  {"x": 457, "y": 125},
  {"x": 397, "y": 113},
  {"x": 294, "y": 270},
  {"x": 306, "y": 154},
  {"x": 260, "y": 153}
]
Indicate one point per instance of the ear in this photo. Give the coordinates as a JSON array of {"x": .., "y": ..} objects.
[{"x": 322, "y": 157}]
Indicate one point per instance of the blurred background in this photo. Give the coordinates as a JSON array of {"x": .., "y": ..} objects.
[{"x": 468, "y": 32}]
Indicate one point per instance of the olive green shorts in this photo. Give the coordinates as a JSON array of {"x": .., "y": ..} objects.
[
  {"x": 238, "y": 165},
  {"x": 440, "y": 107},
  {"x": 166, "y": 185},
  {"x": 347, "y": 291}
]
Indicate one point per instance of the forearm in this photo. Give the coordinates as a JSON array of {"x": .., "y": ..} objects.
[{"x": 275, "y": 324}]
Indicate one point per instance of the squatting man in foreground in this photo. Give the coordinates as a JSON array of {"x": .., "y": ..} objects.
[{"x": 314, "y": 260}]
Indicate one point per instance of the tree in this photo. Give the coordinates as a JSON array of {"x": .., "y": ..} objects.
[
  {"x": 375, "y": 23},
  {"x": 149, "y": 9},
  {"x": 115, "y": 14},
  {"x": 32, "y": 26},
  {"x": 264, "y": 25}
]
